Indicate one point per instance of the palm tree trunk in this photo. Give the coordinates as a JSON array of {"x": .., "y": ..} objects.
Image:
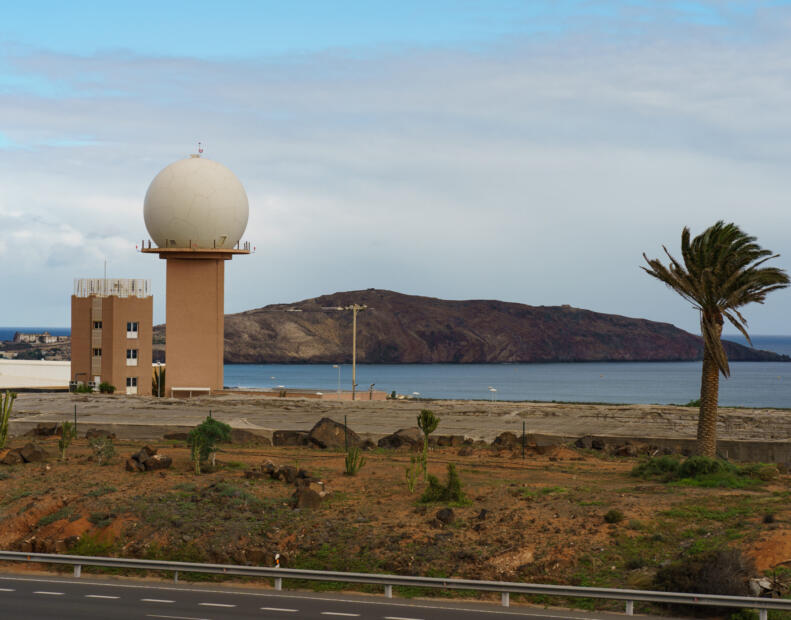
[{"x": 709, "y": 398}]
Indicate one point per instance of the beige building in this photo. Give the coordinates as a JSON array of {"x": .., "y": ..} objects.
[{"x": 111, "y": 333}]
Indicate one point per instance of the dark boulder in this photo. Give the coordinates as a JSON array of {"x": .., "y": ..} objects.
[
  {"x": 240, "y": 436},
  {"x": 328, "y": 433},
  {"x": 11, "y": 457},
  {"x": 405, "y": 437},
  {"x": 290, "y": 438},
  {"x": 157, "y": 461},
  {"x": 507, "y": 441},
  {"x": 96, "y": 433},
  {"x": 31, "y": 453},
  {"x": 445, "y": 515},
  {"x": 306, "y": 498}
]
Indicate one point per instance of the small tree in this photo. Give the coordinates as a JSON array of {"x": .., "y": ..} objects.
[
  {"x": 427, "y": 422},
  {"x": 103, "y": 449},
  {"x": 158, "y": 382},
  {"x": 203, "y": 440},
  {"x": 6, "y": 404},
  {"x": 67, "y": 433},
  {"x": 354, "y": 461}
]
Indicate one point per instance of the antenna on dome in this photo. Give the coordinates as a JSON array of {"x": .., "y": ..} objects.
[{"x": 200, "y": 149}]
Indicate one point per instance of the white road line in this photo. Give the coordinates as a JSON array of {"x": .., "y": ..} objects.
[
  {"x": 175, "y": 617},
  {"x": 278, "y": 609},
  {"x": 100, "y": 596},
  {"x": 49, "y": 593},
  {"x": 7, "y": 590},
  {"x": 400, "y": 618},
  {"x": 338, "y": 613},
  {"x": 216, "y": 605},
  {"x": 156, "y": 600}
]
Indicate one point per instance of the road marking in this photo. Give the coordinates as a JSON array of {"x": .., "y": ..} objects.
[
  {"x": 337, "y": 613},
  {"x": 175, "y": 617},
  {"x": 278, "y": 609},
  {"x": 156, "y": 600},
  {"x": 400, "y": 618},
  {"x": 100, "y": 596},
  {"x": 7, "y": 590},
  {"x": 216, "y": 605},
  {"x": 49, "y": 593}
]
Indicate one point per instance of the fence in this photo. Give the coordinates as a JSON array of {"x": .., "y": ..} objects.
[{"x": 505, "y": 588}]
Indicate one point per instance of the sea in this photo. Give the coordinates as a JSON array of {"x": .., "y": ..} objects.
[{"x": 751, "y": 384}]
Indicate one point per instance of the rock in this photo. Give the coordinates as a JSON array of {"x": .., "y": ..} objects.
[
  {"x": 290, "y": 438},
  {"x": 134, "y": 465},
  {"x": 306, "y": 498},
  {"x": 588, "y": 442},
  {"x": 176, "y": 436},
  {"x": 240, "y": 436},
  {"x": 367, "y": 445},
  {"x": 312, "y": 484},
  {"x": 287, "y": 474},
  {"x": 31, "y": 453},
  {"x": 445, "y": 515},
  {"x": 269, "y": 468},
  {"x": 466, "y": 451},
  {"x": 451, "y": 441},
  {"x": 624, "y": 450},
  {"x": 157, "y": 461},
  {"x": 483, "y": 514},
  {"x": 254, "y": 474},
  {"x": 44, "y": 429},
  {"x": 96, "y": 433},
  {"x": 145, "y": 453},
  {"x": 507, "y": 441},
  {"x": 328, "y": 433},
  {"x": 409, "y": 437},
  {"x": 11, "y": 457}
]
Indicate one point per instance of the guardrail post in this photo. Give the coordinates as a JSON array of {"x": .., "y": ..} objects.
[
  {"x": 278, "y": 583},
  {"x": 176, "y": 577},
  {"x": 505, "y": 599},
  {"x": 762, "y": 614},
  {"x": 629, "y": 608},
  {"x": 77, "y": 570},
  {"x": 389, "y": 591}
]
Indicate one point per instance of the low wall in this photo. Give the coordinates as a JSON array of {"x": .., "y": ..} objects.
[{"x": 20, "y": 374}]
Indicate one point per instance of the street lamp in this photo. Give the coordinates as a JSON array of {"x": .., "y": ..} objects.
[
  {"x": 338, "y": 366},
  {"x": 415, "y": 394},
  {"x": 494, "y": 393}
]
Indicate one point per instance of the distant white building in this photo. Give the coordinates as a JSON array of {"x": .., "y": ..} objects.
[{"x": 43, "y": 338}]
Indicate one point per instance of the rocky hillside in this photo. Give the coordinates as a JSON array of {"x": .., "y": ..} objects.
[{"x": 401, "y": 328}]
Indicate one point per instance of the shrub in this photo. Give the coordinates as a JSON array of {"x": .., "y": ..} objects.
[
  {"x": 614, "y": 516},
  {"x": 450, "y": 492},
  {"x": 693, "y": 403},
  {"x": 354, "y": 461},
  {"x": 718, "y": 571},
  {"x": 698, "y": 466},
  {"x": 67, "y": 433},
  {"x": 761, "y": 471},
  {"x": 203, "y": 440},
  {"x": 106, "y": 388},
  {"x": 662, "y": 467},
  {"x": 6, "y": 404},
  {"x": 103, "y": 449},
  {"x": 83, "y": 388}
]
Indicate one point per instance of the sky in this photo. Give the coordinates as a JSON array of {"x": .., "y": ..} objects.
[{"x": 522, "y": 151}]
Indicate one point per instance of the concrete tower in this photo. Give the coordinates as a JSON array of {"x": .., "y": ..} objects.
[{"x": 196, "y": 212}]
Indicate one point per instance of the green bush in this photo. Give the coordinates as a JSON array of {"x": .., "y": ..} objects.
[
  {"x": 614, "y": 516},
  {"x": 450, "y": 492},
  {"x": 698, "y": 466},
  {"x": 354, "y": 461},
  {"x": 203, "y": 440},
  {"x": 662, "y": 467},
  {"x": 83, "y": 388},
  {"x": 106, "y": 388}
]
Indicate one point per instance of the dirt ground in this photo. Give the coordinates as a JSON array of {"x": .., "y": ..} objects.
[{"x": 542, "y": 518}]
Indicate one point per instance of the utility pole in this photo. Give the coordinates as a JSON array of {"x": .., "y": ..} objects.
[{"x": 355, "y": 308}]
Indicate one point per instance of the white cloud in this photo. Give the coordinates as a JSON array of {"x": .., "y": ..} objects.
[{"x": 532, "y": 172}]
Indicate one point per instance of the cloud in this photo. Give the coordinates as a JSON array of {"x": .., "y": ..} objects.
[{"x": 535, "y": 170}]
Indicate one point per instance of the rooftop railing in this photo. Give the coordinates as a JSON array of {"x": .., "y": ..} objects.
[{"x": 106, "y": 287}]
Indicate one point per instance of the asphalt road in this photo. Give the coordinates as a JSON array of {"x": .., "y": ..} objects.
[{"x": 30, "y": 597}]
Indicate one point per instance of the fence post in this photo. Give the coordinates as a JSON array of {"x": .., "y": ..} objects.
[
  {"x": 278, "y": 583},
  {"x": 505, "y": 599},
  {"x": 389, "y": 591},
  {"x": 762, "y": 614},
  {"x": 176, "y": 577},
  {"x": 629, "y": 608},
  {"x": 77, "y": 570}
]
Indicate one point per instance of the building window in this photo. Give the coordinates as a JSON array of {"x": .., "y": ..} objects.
[
  {"x": 131, "y": 357},
  {"x": 97, "y": 352},
  {"x": 97, "y": 324},
  {"x": 132, "y": 329}
]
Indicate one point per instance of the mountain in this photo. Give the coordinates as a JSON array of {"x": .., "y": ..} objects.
[{"x": 404, "y": 329}]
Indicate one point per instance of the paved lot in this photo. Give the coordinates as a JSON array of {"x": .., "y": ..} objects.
[{"x": 139, "y": 417}]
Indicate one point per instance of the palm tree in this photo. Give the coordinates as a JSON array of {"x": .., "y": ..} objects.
[{"x": 721, "y": 273}]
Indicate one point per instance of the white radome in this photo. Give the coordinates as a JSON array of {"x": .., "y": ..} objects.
[{"x": 197, "y": 203}]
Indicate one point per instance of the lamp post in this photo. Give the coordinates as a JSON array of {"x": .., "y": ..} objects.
[
  {"x": 338, "y": 366},
  {"x": 494, "y": 393},
  {"x": 355, "y": 308}
]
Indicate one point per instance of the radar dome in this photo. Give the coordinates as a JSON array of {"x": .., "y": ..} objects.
[{"x": 196, "y": 202}]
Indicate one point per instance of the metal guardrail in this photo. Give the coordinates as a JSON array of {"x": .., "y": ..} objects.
[{"x": 505, "y": 588}]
